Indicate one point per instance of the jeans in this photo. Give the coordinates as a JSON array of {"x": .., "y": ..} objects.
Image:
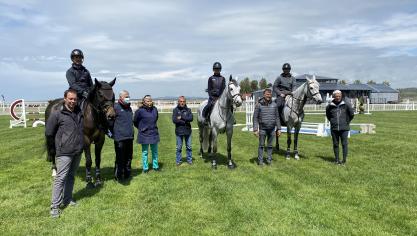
[
  {"x": 343, "y": 136},
  {"x": 64, "y": 180},
  {"x": 188, "y": 147},
  {"x": 154, "y": 149},
  {"x": 269, "y": 134}
]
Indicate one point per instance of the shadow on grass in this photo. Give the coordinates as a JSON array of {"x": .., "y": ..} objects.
[
  {"x": 326, "y": 158},
  {"x": 220, "y": 159}
]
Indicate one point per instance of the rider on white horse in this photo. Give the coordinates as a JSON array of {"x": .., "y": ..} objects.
[
  {"x": 283, "y": 86},
  {"x": 215, "y": 87}
]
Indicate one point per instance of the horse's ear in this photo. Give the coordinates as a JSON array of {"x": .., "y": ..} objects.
[
  {"x": 308, "y": 79},
  {"x": 230, "y": 78},
  {"x": 97, "y": 83},
  {"x": 112, "y": 82},
  {"x": 314, "y": 77}
]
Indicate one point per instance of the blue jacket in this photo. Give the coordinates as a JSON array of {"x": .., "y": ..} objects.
[
  {"x": 123, "y": 123},
  {"x": 182, "y": 126},
  {"x": 79, "y": 79},
  {"x": 145, "y": 120},
  {"x": 215, "y": 86}
]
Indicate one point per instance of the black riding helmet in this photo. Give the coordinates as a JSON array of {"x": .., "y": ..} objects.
[
  {"x": 77, "y": 52},
  {"x": 286, "y": 66},
  {"x": 217, "y": 66}
]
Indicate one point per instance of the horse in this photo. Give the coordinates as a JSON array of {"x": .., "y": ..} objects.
[
  {"x": 292, "y": 114},
  {"x": 98, "y": 108},
  {"x": 221, "y": 120}
]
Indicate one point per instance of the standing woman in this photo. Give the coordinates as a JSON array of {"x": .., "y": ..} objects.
[
  {"x": 339, "y": 113},
  {"x": 145, "y": 120}
]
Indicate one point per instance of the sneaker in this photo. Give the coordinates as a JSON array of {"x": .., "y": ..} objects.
[
  {"x": 145, "y": 171},
  {"x": 179, "y": 163},
  {"x": 268, "y": 161},
  {"x": 260, "y": 163},
  {"x": 156, "y": 169},
  {"x": 71, "y": 203},
  {"x": 189, "y": 162},
  {"x": 55, "y": 213}
]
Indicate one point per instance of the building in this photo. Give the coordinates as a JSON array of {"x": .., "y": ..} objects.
[{"x": 377, "y": 93}]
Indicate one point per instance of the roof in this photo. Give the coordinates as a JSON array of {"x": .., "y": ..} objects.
[{"x": 382, "y": 88}]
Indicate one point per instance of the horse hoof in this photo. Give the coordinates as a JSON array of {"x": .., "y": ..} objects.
[
  {"x": 90, "y": 185},
  {"x": 214, "y": 167},
  {"x": 98, "y": 183},
  {"x": 287, "y": 157},
  {"x": 231, "y": 167},
  {"x": 297, "y": 157}
]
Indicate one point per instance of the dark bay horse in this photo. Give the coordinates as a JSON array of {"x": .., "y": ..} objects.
[{"x": 98, "y": 109}]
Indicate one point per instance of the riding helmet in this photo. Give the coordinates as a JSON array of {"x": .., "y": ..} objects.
[
  {"x": 286, "y": 66},
  {"x": 77, "y": 52},
  {"x": 217, "y": 66}
]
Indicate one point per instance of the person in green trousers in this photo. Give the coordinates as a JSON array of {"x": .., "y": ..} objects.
[{"x": 145, "y": 120}]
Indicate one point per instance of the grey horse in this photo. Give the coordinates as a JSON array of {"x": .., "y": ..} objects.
[
  {"x": 221, "y": 120},
  {"x": 293, "y": 112}
]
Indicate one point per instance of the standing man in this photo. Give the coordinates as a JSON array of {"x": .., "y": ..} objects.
[
  {"x": 79, "y": 77},
  {"x": 65, "y": 126},
  {"x": 123, "y": 136},
  {"x": 265, "y": 123},
  {"x": 182, "y": 118},
  {"x": 215, "y": 87},
  {"x": 283, "y": 86},
  {"x": 339, "y": 113}
]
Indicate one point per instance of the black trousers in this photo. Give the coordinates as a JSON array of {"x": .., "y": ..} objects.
[
  {"x": 342, "y": 136},
  {"x": 123, "y": 163}
]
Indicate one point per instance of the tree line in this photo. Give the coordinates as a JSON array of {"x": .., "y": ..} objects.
[{"x": 248, "y": 86}]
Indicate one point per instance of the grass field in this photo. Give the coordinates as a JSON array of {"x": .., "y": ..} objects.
[{"x": 374, "y": 194}]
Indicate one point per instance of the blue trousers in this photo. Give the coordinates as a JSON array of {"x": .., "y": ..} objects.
[
  {"x": 145, "y": 150},
  {"x": 187, "y": 139}
]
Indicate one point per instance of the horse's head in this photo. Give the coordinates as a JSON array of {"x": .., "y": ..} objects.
[
  {"x": 104, "y": 97},
  {"x": 313, "y": 90},
  {"x": 233, "y": 90}
]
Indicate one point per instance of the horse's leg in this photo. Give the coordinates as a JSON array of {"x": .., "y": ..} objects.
[
  {"x": 213, "y": 145},
  {"x": 229, "y": 133},
  {"x": 297, "y": 131},
  {"x": 287, "y": 153},
  {"x": 201, "y": 129},
  {"x": 97, "y": 151},
  {"x": 88, "y": 164}
]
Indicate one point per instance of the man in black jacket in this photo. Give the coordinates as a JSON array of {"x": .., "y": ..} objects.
[
  {"x": 216, "y": 85},
  {"x": 182, "y": 118},
  {"x": 339, "y": 113},
  {"x": 123, "y": 136},
  {"x": 265, "y": 123},
  {"x": 65, "y": 126},
  {"x": 79, "y": 77}
]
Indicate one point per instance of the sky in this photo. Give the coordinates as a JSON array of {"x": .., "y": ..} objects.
[{"x": 167, "y": 48}]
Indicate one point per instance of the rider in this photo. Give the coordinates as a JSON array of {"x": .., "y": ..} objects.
[
  {"x": 283, "y": 86},
  {"x": 79, "y": 77},
  {"x": 216, "y": 85}
]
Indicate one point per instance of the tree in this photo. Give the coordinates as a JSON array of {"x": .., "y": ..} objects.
[
  {"x": 342, "y": 81},
  {"x": 387, "y": 83},
  {"x": 357, "y": 82},
  {"x": 254, "y": 85},
  {"x": 263, "y": 84},
  {"x": 245, "y": 85},
  {"x": 371, "y": 82}
]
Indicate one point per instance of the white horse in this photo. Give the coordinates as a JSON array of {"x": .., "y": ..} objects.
[
  {"x": 221, "y": 120},
  {"x": 293, "y": 112}
]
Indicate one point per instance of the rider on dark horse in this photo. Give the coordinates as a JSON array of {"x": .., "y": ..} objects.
[
  {"x": 283, "y": 86},
  {"x": 79, "y": 77},
  {"x": 216, "y": 85}
]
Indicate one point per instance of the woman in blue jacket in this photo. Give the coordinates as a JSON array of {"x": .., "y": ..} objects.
[
  {"x": 339, "y": 113},
  {"x": 145, "y": 120}
]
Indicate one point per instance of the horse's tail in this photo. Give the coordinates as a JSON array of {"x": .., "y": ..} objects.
[{"x": 50, "y": 141}]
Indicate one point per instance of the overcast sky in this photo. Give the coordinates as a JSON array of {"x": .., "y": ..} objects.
[{"x": 167, "y": 48}]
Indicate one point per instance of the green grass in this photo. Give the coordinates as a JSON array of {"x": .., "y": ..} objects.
[{"x": 375, "y": 194}]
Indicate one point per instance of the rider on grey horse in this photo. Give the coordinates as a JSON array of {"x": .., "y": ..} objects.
[
  {"x": 216, "y": 85},
  {"x": 283, "y": 86},
  {"x": 79, "y": 77}
]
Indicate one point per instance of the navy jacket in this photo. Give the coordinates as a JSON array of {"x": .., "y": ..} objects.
[
  {"x": 216, "y": 85},
  {"x": 123, "y": 122},
  {"x": 66, "y": 128},
  {"x": 182, "y": 126},
  {"x": 79, "y": 79},
  {"x": 339, "y": 115},
  {"x": 145, "y": 120}
]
